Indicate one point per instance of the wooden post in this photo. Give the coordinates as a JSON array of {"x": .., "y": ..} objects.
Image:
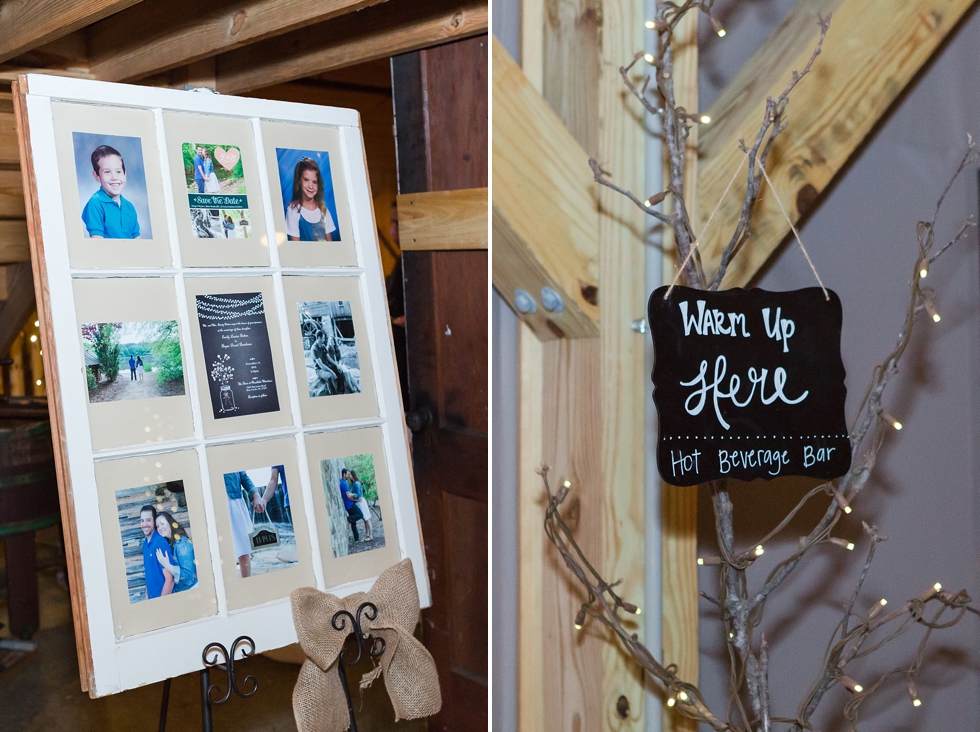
[
  {"x": 680, "y": 505},
  {"x": 589, "y": 423}
]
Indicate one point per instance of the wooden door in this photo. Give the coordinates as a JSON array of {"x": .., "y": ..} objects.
[{"x": 441, "y": 130}]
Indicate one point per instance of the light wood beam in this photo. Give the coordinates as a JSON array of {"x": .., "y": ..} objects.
[
  {"x": 14, "y": 243},
  {"x": 870, "y": 55},
  {"x": 178, "y": 32},
  {"x": 545, "y": 208},
  {"x": 443, "y": 219},
  {"x": 623, "y": 376},
  {"x": 27, "y": 24},
  {"x": 395, "y": 27},
  {"x": 679, "y": 505}
]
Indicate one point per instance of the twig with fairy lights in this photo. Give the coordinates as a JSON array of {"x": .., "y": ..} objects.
[{"x": 858, "y": 634}]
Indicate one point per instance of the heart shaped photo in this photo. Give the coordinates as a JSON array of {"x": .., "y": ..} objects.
[{"x": 227, "y": 158}]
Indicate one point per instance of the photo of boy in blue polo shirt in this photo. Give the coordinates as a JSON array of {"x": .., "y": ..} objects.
[
  {"x": 108, "y": 215},
  {"x": 111, "y": 180}
]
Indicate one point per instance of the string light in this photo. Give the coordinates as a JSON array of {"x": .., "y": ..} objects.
[
  {"x": 842, "y": 502},
  {"x": 923, "y": 267},
  {"x": 709, "y": 561},
  {"x": 851, "y": 684},
  {"x": 705, "y": 119},
  {"x": 849, "y": 545},
  {"x": 716, "y": 26},
  {"x": 891, "y": 420},
  {"x": 651, "y": 25},
  {"x": 759, "y": 550},
  {"x": 648, "y": 57},
  {"x": 931, "y": 309},
  {"x": 937, "y": 587},
  {"x": 876, "y": 608},
  {"x": 33, "y": 339},
  {"x": 630, "y": 608},
  {"x": 671, "y": 702},
  {"x": 580, "y": 619},
  {"x": 914, "y": 694},
  {"x": 682, "y": 695},
  {"x": 37, "y": 323},
  {"x": 38, "y": 382}
]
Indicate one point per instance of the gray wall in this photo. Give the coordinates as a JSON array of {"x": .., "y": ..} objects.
[
  {"x": 503, "y": 556},
  {"x": 924, "y": 491}
]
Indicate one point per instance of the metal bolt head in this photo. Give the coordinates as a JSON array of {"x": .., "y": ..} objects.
[
  {"x": 524, "y": 302},
  {"x": 639, "y": 325},
  {"x": 551, "y": 300}
]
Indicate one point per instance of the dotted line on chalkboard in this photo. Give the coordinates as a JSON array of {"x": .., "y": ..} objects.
[{"x": 760, "y": 437}]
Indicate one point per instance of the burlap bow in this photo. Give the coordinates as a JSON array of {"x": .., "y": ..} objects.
[{"x": 409, "y": 671}]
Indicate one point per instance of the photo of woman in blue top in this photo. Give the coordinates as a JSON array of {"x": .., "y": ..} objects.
[{"x": 185, "y": 570}]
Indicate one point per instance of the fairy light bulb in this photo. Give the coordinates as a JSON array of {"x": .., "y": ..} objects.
[
  {"x": 842, "y": 502},
  {"x": 648, "y": 57},
  {"x": 931, "y": 309},
  {"x": 682, "y": 695},
  {"x": 914, "y": 694},
  {"x": 891, "y": 420},
  {"x": 937, "y": 587},
  {"x": 630, "y": 608},
  {"x": 580, "y": 619},
  {"x": 651, "y": 25},
  {"x": 671, "y": 702},
  {"x": 923, "y": 267},
  {"x": 851, "y": 685},
  {"x": 700, "y": 561},
  {"x": 843, "y": 543},
  {"x": 705, "y": 119},
  {"x": 759, "y": 550},
  {"x": 716, "y": 26}
]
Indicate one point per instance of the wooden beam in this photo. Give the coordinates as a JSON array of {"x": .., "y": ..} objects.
[
  {"x": 14, "y": 243},
  {"x": 11, "y": 195},
  {"x": 9, "y": 151},
  {"x": 28, "y": 24},
  {"x": 869, "y": 57},
  {"x": 679, "y": 506},
  {"x": 545, "y": 220},
  {"x": 623, "y": 377},
  {"x": 444, "y": 219},
  {"x": 179, "y": 32},
  {"x": 395, "y": 27}
]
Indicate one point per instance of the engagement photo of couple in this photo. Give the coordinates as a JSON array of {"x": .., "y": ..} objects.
[
  {"x": 132, "y": 360},
  {"x": 329, "y": 348},
  {"x": 227, "y": 215},
  {"x": 351, "y": 490},
  {"x": 261, "y": 520},
  {"x": 156, "y": 536}
]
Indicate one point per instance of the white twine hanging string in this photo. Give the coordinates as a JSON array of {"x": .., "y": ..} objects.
[
  {"x": 706, "y": 223},
  {"x": 718, "y": 205},
  {"x": 795, "y": 233}
]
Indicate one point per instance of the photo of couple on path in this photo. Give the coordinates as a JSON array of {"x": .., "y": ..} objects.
[
  {"x": 351, "y": 490},
  {"x": 132, "y": 360},
  {"x": 156, "y": 537}
]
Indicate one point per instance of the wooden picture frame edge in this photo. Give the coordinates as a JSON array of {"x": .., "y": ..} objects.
[{"x": 55, "y": 411}]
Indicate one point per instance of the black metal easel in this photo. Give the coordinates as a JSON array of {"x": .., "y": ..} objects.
[
  {"x": 375, "y": 650},
  {"x": 224, "y": 660}
]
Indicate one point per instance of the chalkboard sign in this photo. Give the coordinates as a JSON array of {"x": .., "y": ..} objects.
[{"x": 748, "y": 384}]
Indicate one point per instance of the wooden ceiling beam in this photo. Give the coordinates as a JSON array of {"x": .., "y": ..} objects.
[
  {"x": 28, "y": 24},
  {"x": 179, "y": 32},
  {"x": 545, "y": 208},
  {"x": 871, "y": 53},
  {"x": 398, "y": 26}
]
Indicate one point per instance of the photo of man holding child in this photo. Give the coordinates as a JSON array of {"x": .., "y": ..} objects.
[
  {"x": 111, "y": 186},
  {"x": 156, "y": 537}
]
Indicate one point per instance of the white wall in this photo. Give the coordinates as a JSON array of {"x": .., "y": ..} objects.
[{"x": 924, "y": 491}]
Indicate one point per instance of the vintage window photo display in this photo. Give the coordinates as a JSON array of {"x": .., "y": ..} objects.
[{"x": 244, "y": 371}]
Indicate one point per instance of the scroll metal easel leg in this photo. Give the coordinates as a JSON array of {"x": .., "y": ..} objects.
[
  {"x": 376, "y": 648},
  {"x": 222, "y": 659}
]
